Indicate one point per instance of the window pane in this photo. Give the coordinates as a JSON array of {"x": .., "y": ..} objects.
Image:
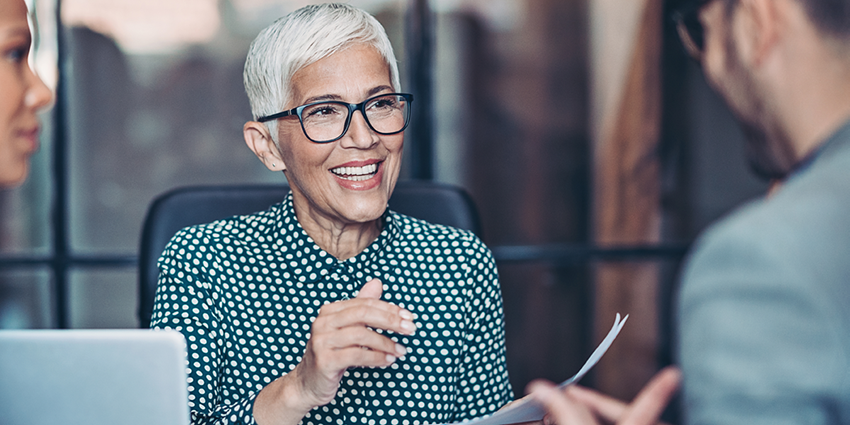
[
  {"x": 156, "y": 102},
  {"x": 102, "y": 299},
  {"x": 25, "y": 211},
  {"x": 547, "y": 308},
  {"x": 511, "y": 114},
  {"x": 552, "y": 309},
  {"x": 26, "y": 299}
]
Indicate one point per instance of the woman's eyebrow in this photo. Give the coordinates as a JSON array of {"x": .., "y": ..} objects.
[
  {"x": 17, "y": 31},
  {"x": 320, "y": 98},
  {"x": 379, "y": 89}
]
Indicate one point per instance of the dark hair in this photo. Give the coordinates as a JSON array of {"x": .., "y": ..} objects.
[{"x": 832, "y": 17}]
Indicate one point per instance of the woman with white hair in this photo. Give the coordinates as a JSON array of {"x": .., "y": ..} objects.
[{"x": 328, "y": 308}]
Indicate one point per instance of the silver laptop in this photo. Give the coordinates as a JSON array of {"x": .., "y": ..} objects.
[{"x": 94, "y": 377}]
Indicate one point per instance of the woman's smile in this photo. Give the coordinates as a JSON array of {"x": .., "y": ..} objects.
[
  {"x": 359, "y": 175},
  {"x": 31, "y": 136},
  {"x": 357, "y": 171}
]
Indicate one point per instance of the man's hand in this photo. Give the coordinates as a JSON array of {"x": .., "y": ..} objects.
[{"x": 581, "y": 406}]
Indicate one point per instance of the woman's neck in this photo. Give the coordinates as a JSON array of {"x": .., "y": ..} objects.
[{"x": 341, "y": 239}]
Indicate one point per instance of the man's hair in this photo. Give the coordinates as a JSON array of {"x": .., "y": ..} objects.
[
  {"x": 299, "y": 39},
  {"x": 832, "y": 17}
]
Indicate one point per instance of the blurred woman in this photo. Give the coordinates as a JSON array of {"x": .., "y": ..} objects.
[
  {"x": 328, "y": 308},
  {"x": 22, "y": 94}
]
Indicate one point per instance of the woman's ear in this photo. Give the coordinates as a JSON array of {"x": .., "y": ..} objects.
[{"x": 259, "y": 140}]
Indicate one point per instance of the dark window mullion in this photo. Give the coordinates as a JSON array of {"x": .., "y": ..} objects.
[
  {"x": 419, "y": 45},
  {"x": 59, "y": 213}
]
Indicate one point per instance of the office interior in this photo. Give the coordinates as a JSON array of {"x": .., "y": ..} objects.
[{"x": 593, "y": 147}]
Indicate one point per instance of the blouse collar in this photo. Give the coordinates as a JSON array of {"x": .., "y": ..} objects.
[{"x": 293, "y": 242}]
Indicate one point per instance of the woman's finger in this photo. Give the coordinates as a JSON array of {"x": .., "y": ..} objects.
[
  {"x": 365, "y": 312},
  {"x": 361, "y": 357},
  {"x": 338, "y": 306},
  {"x": 377, "y": 314},
  {"x": 357, "y": 337},
  {"x": 332, "y": 365},
  {"x": 371, "y": 289}
]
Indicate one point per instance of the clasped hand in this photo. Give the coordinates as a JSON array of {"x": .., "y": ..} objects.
[{"x": 341, "y": 338}]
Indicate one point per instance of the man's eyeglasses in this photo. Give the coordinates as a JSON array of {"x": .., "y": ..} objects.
[
  {"x": 690, "y": 29},
  {"x": 325, "y": 122}
]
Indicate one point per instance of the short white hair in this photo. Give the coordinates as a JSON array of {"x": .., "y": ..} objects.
[{"x": 299, "y": 39}]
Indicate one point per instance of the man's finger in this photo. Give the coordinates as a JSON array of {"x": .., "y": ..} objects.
[
  {"x": 562, "y": 409},
  {"x": 653, "y": 398},
  {"x": 608, "y": 408}
]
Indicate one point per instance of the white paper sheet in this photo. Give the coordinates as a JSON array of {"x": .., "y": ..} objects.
[{"x": 527, "y": 410}]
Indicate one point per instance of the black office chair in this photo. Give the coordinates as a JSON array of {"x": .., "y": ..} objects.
[{"x": 435, "y": 202}]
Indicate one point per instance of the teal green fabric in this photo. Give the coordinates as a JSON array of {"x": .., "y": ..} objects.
[{"x": 245, "y": 290}]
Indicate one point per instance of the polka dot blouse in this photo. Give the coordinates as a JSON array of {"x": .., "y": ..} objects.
[{"x": 244, "y": 292}]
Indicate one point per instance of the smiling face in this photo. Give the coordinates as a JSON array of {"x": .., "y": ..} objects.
[
  {"x": 23, "y": 93},
  {"x": 348, "y": 181}
]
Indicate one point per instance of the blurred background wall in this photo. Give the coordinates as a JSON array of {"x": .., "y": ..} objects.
[{"x": 574, "y": 124}]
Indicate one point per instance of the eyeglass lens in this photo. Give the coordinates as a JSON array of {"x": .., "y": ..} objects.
[{"x": 326, "y": 121}]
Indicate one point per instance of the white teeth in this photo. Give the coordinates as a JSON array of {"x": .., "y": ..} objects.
[{"x": 356, "y": 173}]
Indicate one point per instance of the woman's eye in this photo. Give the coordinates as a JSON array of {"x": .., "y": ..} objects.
[
  {"x": 323, "y": 111},
  {"x": 18, "y": 54},
  {"x": 383, "y": 104}
]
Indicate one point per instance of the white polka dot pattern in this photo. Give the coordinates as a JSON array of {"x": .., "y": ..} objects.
[{"x": 244, "y": 291}]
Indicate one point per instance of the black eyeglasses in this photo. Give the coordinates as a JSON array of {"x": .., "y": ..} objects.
[
  {"x": 325, "y": 122},
  {"x": 690, "y": 29}
]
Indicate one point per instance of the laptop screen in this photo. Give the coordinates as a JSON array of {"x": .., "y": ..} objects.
[{"x": 95, "y": 377}]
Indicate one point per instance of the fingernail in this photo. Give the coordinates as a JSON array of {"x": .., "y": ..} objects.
[
  {"x": 405, "y": 314},
  {"x": 408, "y": 326},
  {"x": 390, "y": 358},
  {"x": 400, "y": 350}
]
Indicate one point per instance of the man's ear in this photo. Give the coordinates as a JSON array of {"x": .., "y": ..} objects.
[
  {"x": 760, "y": 28},
  {"x": 259, "y": 140}
]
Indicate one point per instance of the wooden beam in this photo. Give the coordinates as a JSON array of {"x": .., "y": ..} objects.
[{"x": 626, "y": 105}]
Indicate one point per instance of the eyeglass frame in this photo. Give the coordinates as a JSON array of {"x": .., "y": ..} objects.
[
  {"x": 685, "y": 37},
  {"x": 297, "y": 111}
]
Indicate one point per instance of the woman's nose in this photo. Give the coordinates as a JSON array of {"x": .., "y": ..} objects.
[
  {"x": 359, "y": 134},
  {"x": 38, "y": 95}
]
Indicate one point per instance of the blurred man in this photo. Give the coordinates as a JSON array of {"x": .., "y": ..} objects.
[{"x": 764, "y": 308}]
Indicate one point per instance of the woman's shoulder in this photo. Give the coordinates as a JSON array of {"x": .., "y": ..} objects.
[
  {"x": 233, "y": 228},
  {"x": 418, "y": 229}
]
